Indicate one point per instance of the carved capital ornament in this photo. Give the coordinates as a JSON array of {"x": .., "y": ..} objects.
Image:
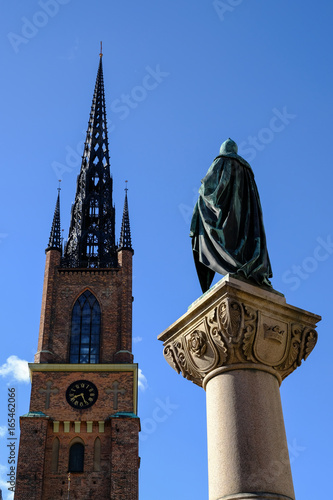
[{"x": 236, "y": 325}]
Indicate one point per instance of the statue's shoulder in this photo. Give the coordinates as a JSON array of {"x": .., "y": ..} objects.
[{"x": 234, "y": 156}]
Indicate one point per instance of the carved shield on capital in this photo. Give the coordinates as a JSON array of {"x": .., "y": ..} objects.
[
  {"x": 271, "y": 341},
  {"x": 201, "y": 350}
]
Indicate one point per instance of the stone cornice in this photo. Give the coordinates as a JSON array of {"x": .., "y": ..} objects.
[
  {"x": 236, "y": 323},
  {"x": 83, "y": 367}
]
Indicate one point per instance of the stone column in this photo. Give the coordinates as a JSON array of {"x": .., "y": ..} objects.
[{"x": 239, "y": 342}]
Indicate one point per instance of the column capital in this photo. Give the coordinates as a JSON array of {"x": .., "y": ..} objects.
[{"x": 236, "y": 325}]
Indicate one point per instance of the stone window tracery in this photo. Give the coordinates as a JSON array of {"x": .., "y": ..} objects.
[{"x": 85, "y": 330}]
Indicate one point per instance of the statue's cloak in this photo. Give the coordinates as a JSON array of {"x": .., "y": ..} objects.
[{"x": 227, "y": 227}]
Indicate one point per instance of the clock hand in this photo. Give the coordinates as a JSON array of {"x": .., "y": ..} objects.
[
  {"x": 83, "y": 398},
  {"x": 78, "y": 395}
]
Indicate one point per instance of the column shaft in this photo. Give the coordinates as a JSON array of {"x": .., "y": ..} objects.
[{"x": 247, "y": 447}]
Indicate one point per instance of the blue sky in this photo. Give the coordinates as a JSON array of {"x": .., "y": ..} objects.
[{"x": 180, "y": 77}]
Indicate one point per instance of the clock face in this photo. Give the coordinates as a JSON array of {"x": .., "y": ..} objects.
[{"x": 81, "y": 394}]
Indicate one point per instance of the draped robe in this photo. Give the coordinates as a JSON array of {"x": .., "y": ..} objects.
[{"x": 227, "y": 227}]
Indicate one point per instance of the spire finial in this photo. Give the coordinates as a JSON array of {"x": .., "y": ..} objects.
[
  {"x": 101, "y": 52},
  {"x": 59, "y": 188},
  {"x": 126, "y": 188}
]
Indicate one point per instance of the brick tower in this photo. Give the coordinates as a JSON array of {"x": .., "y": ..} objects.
[{"x": 80, "y": 437}]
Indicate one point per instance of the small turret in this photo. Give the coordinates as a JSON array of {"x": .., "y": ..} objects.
[
  {"x": 125, "y": 233},
  {"x": 55, "y": 234}
]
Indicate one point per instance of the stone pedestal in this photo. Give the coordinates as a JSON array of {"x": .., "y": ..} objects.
[{"x": 239, "y": 342}]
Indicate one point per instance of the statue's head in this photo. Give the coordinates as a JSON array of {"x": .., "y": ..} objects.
[{"x": 229, "y": 146}]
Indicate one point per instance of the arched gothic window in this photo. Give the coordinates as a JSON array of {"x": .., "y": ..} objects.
[
  {"x": 86, "y": 327},
  {"x": 76, "y": 457}
]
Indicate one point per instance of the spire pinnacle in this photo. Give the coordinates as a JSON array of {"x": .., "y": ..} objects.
[
  {"x": 101, "y": 52},
  {"x": 91, "y": 239},
  {"x": 125, "y": 233},
  {"x": 55, "y": 234}
]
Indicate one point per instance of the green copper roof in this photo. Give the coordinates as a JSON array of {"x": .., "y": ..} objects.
[
  {"x": 120, "y": 414},
  {"x": 35, "y": 414}
]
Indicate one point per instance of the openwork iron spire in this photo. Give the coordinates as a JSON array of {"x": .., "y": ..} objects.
[
  {"x": 91, "y": 240},
  {"x": 55, "y": 234},
  {"x": 125, "y": 233}
]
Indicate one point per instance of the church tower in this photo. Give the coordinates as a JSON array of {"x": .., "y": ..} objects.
[{"x": 79, "y": 439}]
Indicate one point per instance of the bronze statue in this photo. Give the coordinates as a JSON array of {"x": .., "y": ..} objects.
[{"x": 227, "y": 227}]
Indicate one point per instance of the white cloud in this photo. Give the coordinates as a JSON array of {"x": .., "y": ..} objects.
[
  {"x": 3, "y": 430},
  {"x": 15, "y": 368},
  {"x": 142, "y": 382},
  {"x": 7, "y": 495},
  {"x": 137, "y": 339}
]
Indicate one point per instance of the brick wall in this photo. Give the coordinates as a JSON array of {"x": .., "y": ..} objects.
[
  {"x": 62, "y": 287},
  {"x": 30, "y": 465},
  {"x": 110, "y": 419}
]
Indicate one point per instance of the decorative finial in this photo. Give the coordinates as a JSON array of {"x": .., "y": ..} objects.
[
  {"x": 101, "y": 52},
  {"x": 126, "y": 188},
  {"x": 59, "y": 188}
]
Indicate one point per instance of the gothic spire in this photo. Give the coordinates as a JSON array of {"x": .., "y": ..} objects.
[
  {"x": 91, "y": 240},
  {"x": 55, "y": 234},
  {"x": 125, "y": 233}
]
